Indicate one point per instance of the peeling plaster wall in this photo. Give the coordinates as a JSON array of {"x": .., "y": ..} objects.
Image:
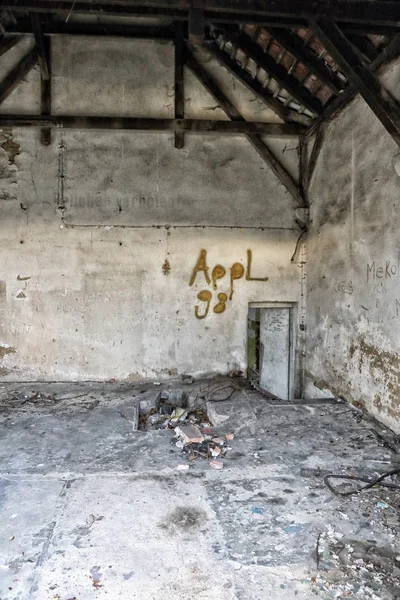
[
  {"x": 353, "y": 295},
  {"x": 90, "y": 221}
]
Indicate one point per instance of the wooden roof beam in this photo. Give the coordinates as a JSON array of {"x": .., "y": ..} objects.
[
  {"x": 279, "y": 73},
  {"x": 384, "y": 12},
  {"x": 6, "y": 43},
  {"x": 306, "y": 56},
  {"x": 255, "y": 86},
  {"x": 197, "y": 126},
  {"x": 377, "y": 97},
  {"x": 17, "y": 74},
  {"x": 255, "y": 140},
  {"x": 386, "y": 55}
]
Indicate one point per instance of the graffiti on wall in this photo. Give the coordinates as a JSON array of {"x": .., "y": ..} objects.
[{"x": 236, "y": 271}]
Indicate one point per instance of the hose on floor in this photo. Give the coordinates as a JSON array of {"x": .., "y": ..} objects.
[{"x": 370, "y": 482}]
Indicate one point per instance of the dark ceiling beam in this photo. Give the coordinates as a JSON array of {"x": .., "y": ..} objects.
[
  {"x": 212, "y": 87},
  {"x": 385, "y": 12},
  {"x": 197, "y": 24},
  {"x": 306, "y": 56},
  {"x": 319, "y": 138},
  {"x": 370, "y": 28},
  {"x": 387, "y": 54},
  {"x": 40, "y": 46},
  {"x": 255, "y": 86},
  {"x": 102, "y": 28},
  {"x": 265, "y": 61},
  {"x": 24, "y": 26},
  {"x": 363, "y": 44},
  {"x": 179, "y": 95},
  {"x": 200, "y": 126},
  {"x": 45, "y": 93},
  {"x": 7, "y": 43},
  {"x": 376, "y": 96},
  {"x": 16, "y": 75},
  {"x": 255, "y": 140}
]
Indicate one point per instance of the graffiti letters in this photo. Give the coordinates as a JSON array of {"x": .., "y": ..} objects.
[
  {"x": 387, "y": 270},
  {"x": 345, "y": 287},
  {"x": 236, "y": 272}
]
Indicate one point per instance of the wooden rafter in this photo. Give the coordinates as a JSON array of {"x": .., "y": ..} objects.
[
  {"x": 16, "y": 75},
  {"x": 199, "y": 126},
  {"x": 308, "y": 173},
  {"x": 232, "y": 112},
  {"x": 277, "y": 71},
  {"x": 367, "y": 49},
  {"x": 306, "y": 56},
  {"x": 196, "y": 26},
  {"x": 158, "y": 32},
  {"x": 388, "y": 53},
  {"x": 255, "y": 86},
  {"x": 380, "y": 12},
  {"x": 45, "y": 94},
  {"x": 384, "y": 106},
  {"x": 40, "y": 46},
  {"x": 7, "y": 43}
]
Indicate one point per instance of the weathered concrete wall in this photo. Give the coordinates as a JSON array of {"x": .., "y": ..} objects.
[
  {"x": 90, "y": 221},
  {"x": 353, "y": 296}
]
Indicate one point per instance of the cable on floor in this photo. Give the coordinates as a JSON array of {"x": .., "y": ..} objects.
[{"x": 370, "y": 482}]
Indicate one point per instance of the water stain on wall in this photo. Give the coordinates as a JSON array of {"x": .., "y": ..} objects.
[{"x": 385, "y": 366}]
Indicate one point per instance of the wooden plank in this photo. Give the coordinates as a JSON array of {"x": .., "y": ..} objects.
[
  {"x": 199, "y": 126},
  {"x": 179, "y": 90},
  {"x": 16, "y": 75},
  {"x": 45, "y": 94},
  {"x": 306, "y": 56},
  {"x": 279, "y": 73},
  {"x": 231, "y": 111},
  {"x": 384, "y": 106},
  {"x": 212, "y": 87},
  {"x": 279, "y": 170},
  {"x": 37, "y": 32},
  {"x": 363, "y": 44},
  {"x": 197, "y": 26},
  {"x": 303, "y": 156},
  {"x": 24, "y": 26},
  {"x": 255, "y": 86},
  {"x": 319, "y": 138},
  {"x": 384, "y": 12},
  {"x": 7, "y": 43},
  {"x": 388, "y": 53}
]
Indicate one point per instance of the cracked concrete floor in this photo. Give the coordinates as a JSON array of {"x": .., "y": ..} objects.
[{"x": 91, "y": 509}]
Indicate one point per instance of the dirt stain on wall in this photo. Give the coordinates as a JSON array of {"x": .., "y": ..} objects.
[
  {"x": 10, "y": 146},
  {"x": 4, "y": 350},
  {"x": 385, "y": 366}
]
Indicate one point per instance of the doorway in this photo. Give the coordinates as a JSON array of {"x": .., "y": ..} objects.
[{"x": 270, "y": 348}]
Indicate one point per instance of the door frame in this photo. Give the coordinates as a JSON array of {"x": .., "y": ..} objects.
[{"x": 293, "y": 308}]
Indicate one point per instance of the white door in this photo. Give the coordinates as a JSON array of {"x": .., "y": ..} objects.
[{"x": 275, "y": 351}]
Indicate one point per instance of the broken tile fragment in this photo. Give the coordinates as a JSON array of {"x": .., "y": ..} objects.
[{"x": 189, "y": 434}]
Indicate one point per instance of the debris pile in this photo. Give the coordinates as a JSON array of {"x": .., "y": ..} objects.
[
  {"x": 18, "y": 399},
  {"x": 188, "y": 416},
  {"x": 171, "y": 407},
  {"x": 355, "y": 568},
  {"x": 198, "y": 444}
]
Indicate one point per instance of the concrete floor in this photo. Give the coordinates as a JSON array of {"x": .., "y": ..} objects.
[{"x": 91, "y": 509}]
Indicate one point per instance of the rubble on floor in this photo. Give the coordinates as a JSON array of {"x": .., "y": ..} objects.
[
  {"x": 239, "y": 510},
  {"x": 187, "y": 415},
  {"x": 355, "y": 568}
]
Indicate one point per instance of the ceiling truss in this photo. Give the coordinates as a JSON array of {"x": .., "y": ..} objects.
[{"x": 304, "y": 59}]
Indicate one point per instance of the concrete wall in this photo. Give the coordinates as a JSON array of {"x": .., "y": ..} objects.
[
  {"x": 353, "y": 296},
  {"x": 89, "y": 222}
]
